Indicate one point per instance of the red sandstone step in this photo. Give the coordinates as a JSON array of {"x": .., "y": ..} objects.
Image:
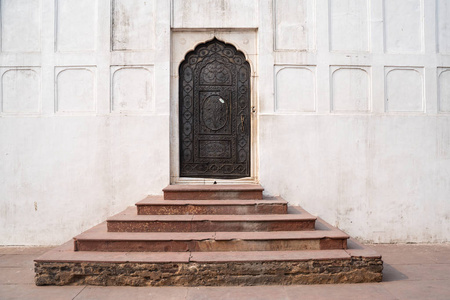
[
  {"x": 156, "y": 205},
  {"x": 98, "y": 239},
  {"x": 66, "y": 253},
  {"x": 63, "y": 266},
  {"x": 128, "y": 221},
  {"x": 213, "y": 192}
]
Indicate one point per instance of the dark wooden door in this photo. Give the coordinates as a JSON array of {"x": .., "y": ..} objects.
[{"x": 214, "y": 97}]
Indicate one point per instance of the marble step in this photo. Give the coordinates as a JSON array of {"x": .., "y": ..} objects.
[
  {"x": 213, "y": 192},
  {"x": 156, "y": 205},
  {"x": 129, "y": 221}
]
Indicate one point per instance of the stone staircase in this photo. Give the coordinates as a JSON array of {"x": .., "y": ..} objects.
[{"x": 210, "y": 235}]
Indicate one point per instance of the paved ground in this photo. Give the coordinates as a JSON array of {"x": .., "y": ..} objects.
[{"x": 410, "y": 272}]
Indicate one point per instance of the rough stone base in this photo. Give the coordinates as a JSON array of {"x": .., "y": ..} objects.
[{"x": 354, "y": 270}]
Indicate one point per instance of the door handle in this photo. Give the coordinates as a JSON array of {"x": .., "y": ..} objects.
[{"x": 242, "y": 123}]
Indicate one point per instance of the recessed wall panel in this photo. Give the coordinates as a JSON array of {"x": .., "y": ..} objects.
[
  {"x": 75, "y": 89},
  {"x": 403, "y": 26},
  {"x": 443, "y": 26},
  {"x": 444, "y": 90},
  {"x": 349, "y": 25},
  {"x": 132, "y": 89},
  {"x": 20, "y": 90},
  {"x": 76, "y": 25},
  {"x": 294, "y": 24},
  {"x": 350, "y": 89},
  {"x": 404, "y": 90},
  {"x": 20, "y": 25},
  {"x": 215, "y": 14},
  {"x": 295, "y": 89},
  {"x": 133, "y": 25}
]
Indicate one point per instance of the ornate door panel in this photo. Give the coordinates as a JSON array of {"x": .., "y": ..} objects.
[{"x": 214, "y": 112}]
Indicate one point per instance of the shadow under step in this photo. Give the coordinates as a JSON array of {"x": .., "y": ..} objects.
[
  {"x": 129, "y": 221},
  {"x": 213, "y": 192},
  {"x": 156, "y": 205},
  {"x": 98, "y": 239}
]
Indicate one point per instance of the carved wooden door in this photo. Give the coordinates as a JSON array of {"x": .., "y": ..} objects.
[{"x": 214, "y": 98}]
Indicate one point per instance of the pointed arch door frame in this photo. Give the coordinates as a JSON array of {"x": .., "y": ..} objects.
[{"x": 184, "y": 42}]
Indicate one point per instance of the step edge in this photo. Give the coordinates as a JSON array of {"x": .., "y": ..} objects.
[
  {"x": 190, "y": 257},
  {"x": 152, "y": 236},
  {"x": 265, "y": 256},
  {"x": 204, "y": 218},
  {"x": 213, "y": 202},
  {"x": 212, "y": 188}
]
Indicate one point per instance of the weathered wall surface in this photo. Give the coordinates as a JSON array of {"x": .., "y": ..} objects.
[
  {"x": 358, "y": 128},
  {"x": 84, "y": 119},
  {"x": 352, "y": 99}
]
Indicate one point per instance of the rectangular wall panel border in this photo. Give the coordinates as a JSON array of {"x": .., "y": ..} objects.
[
  {"x": 311, "y": 38},
  {"x": 57, "y": 20},
  {"x": 361, "y": 88},
  {"x": 443, "y": 80},
  {"x": 367, "y": 45},
  {"x": 214, "y": 14},
  {"x": 136, "y": 44},
  {"x": 80, "y": 89},
  {"x": 25, "y": 91},
  {"x": 36, "y": 48},
  {"x": 404, "y": 93},
  {"x": 282, "y": 94},
  {"x": 421, "y": 33},
  {"x": 440, "y": 35},
  {"x": 140, "y": 98}
]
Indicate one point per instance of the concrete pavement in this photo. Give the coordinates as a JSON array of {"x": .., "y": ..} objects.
[{"x": 410, "y": 272}]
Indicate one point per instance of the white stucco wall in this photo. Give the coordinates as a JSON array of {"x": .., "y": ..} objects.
[
  {"x": 352, "y": 100},
  {"x": 355, "y": 118},
  {"x": 84, "y": 121}
]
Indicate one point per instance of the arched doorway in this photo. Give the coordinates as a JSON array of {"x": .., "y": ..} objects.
[{"x": 214, "y": 112}]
